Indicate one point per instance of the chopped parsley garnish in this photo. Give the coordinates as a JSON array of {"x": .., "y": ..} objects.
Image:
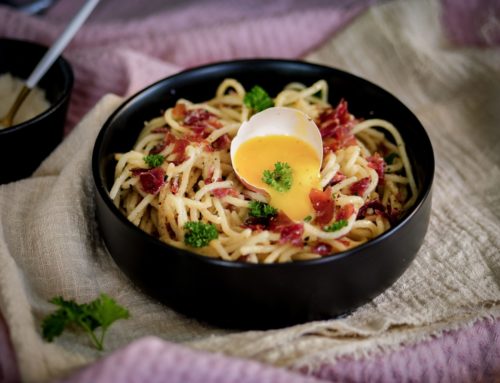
[
  {"x": 336, "y": 226},
  {"x": 390, "y": 158},
  {"x": 261, "y": 209},
  {"x": 154, "y": 160},
  {"x": 199, "y": 234},
  {"x": 257, "y": 99},
  {"x": 280, "y": 178},
  {"x": 101, "y": 312},
  {"x": 308, "y": 218}
]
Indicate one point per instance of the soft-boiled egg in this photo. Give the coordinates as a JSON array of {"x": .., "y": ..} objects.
[{"x": 280, "y": 135}]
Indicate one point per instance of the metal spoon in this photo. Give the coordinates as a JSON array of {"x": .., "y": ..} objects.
[{"x": 48, "y": 59}]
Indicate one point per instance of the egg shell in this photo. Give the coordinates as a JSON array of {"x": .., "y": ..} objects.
[{"x": 278, "y": 121}]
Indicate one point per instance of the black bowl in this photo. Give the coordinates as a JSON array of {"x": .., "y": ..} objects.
[
  {"x": 25, "y": 145},
  {"x": 260, "y": 296}
]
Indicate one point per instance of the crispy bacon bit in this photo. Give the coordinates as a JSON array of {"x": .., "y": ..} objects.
[
  {"x": 359, "y": 187},
  {"x": 195, "y": 116},
  {"x": 323, "y": 205},
  {"x": 201, "y": 117},
  {"x": 174, "y": 185},
  {"x": 345, "y": 212},
  {"x": 161, "y": 129},
  {"x": 343, "y": 241},
  {"x": 376, "y": 162},
  {"x": 199, "y": 132},
  {"x": 221, "y": 192},
  {"x": 170, "y": 138},
  {"x": 290, "y": 231},
  {"x": 292, "y": 234},
  {"x": 215, "y": 122},
  {"x": 322, "y": 248},
  {"x": 167, "y": 140},
  {"x": 180, "y": 151},
  {"x": 222, "y": 143},
  {"x": 335, "y": 126},
  {"x": 339, "y": 177},
  {"x": 393, "y": 215},
  {"x": 256, "y": 223},
  {"x": 158, "y": 148},
  {"x": 376, "y": 207},
  {"x": 199, "y": 121},
  {"x": 210, "y": 173},
  {"x": 138, "y": 171},
  {"x": 179, "y": 111},
  {"x": 243, "y": 258},
  {"x": 152, "y": 180}
]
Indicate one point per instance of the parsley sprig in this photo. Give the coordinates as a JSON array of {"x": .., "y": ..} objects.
[
  {"x": 199, "y": 234},
  {"x": 154, "y": 160},
  {"x": 100, "y": 313},
  {"x": 336, "y": 226},
  {"x": 257, "y": 99},
  {"x": 261, "y": 210},
  {"x": 280, "y": 178}
]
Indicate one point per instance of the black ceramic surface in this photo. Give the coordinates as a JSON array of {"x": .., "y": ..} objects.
[
  {"x": 260, "y": 296},
  {"x": 24, "y": 146}
]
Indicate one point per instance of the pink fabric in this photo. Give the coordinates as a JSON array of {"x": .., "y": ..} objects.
[
  {"x": 472, "y": 22},
  {"x": 153, "y": 360},
  {"x": 469, "y": 355},
  {"x": 127, "y": 45},
  {"x": 8, "y": 367}
]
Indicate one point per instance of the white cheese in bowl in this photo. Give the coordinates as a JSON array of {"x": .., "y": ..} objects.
[{"x": 34, "y": 104}]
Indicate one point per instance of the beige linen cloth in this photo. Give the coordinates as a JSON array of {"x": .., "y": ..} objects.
[{"x": 50, "y": 245}]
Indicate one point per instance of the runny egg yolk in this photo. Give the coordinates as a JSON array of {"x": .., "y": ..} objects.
[{"x": 261, "y": 153}]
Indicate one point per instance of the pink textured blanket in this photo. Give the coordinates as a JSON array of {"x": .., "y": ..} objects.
[{"x": 128, "y": 44}]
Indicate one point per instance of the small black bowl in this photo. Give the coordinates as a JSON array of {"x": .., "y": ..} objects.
[
  {"x": 25, "y": 145},
  {"x": 245, "y": 295}
]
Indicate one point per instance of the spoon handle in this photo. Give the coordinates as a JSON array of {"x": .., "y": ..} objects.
[{"x": 61, "y": 43}]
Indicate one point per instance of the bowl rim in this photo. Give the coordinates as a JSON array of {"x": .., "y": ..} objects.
[
  {"x": 67, "y": 73},
  {"x": 425, "y": 191}
]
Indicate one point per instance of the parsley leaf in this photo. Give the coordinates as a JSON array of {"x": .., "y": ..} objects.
[
  {"x": 336, "y": 226},
  {"x": 308, "y": 218},
  {"x": 261, "y": 209},
  {"x": 199, "y": 234},
  {"x": 102, "y": 312},
  {"x": 154, "y": 160},
  {"x": 54, "y": 325},
  {"x": 105, "y": 311},
  {"x": 280, "y": 178},
  {"x": 390, "y": 158},
  {"x": 257, "y": 99}
]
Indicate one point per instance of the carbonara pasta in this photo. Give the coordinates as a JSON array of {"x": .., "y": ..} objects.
[{"x": 178, "y": 182}]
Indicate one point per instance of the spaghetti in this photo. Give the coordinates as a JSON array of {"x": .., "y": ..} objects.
[{"x": 178, "y": 178}]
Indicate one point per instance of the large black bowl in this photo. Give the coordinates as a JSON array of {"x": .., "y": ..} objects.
[
  {"x": 260, "y": 296},
  {"x": 25, "y": 145}
]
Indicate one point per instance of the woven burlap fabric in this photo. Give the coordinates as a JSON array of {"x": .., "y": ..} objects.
[{"x": 50, "y": 245}]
